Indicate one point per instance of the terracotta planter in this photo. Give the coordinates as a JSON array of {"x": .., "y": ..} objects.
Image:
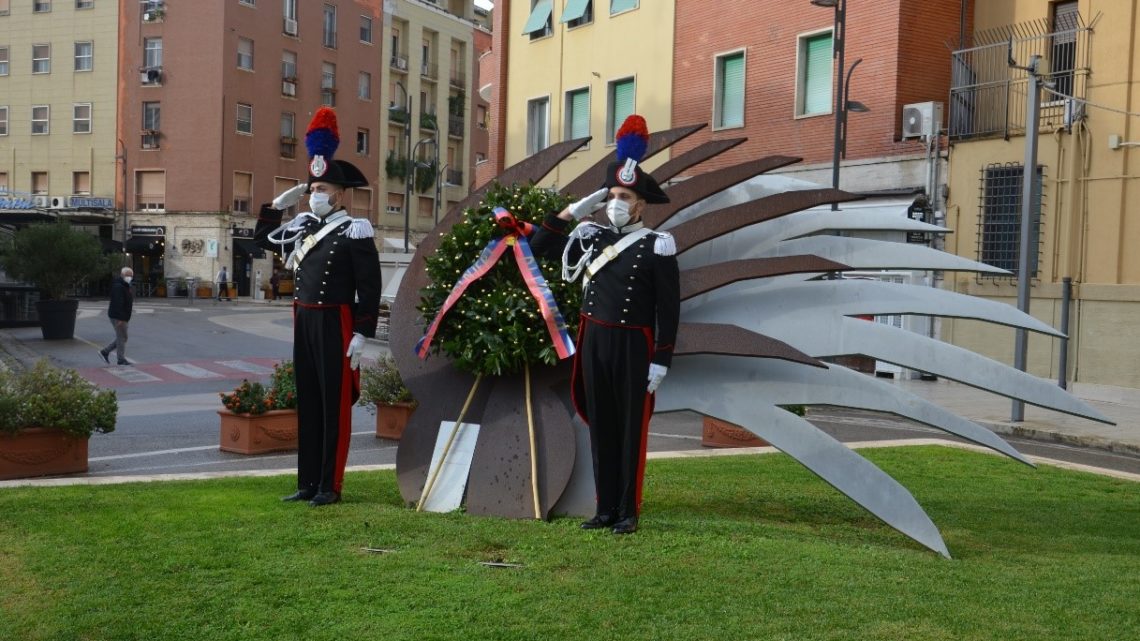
[
  {"x": 273, "y": 431},
  {"x": 41, "y": 451},
  {"x": 392, "y": 419},
  {"x": 718, "y": 433}
]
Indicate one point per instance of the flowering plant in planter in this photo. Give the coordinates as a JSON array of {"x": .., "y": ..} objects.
[
  {"x": 380, "y": 384},
  {"x": 255, "y": 398},
  {"x": 44, "y": 396}
]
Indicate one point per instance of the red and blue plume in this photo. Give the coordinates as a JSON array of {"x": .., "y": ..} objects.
[
  {"x": 322, "y": 137},
  {"x": 632, "y": 139}
]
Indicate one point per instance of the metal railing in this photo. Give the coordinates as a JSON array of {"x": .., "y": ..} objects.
[
  {"x": 999, "y": 217},
  {"x": 987, "y": 94},
  {"x": 455, "y": 126}
]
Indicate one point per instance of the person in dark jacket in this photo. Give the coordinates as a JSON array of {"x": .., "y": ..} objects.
[
  {"x": 336, "y": 303},
  {"x": 630, "y": 313},
  {"x": 119, "y": 311}
]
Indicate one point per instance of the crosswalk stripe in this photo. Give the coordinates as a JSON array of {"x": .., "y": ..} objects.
[
  {"x": 245, "y": 366},
  {"x": 191, "y": 371}
]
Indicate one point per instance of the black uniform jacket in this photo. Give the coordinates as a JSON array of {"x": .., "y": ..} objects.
[
  {"x": 638, "y": 288},
  {"x": 337, "y": 271}
]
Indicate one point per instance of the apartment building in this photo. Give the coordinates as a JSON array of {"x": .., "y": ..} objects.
[
  {"x": 429, "y": 56},
  {"x": 215, "y": 99},
  {"x": 58, "y": 105},
  {"x": 1083, "y": 214}
]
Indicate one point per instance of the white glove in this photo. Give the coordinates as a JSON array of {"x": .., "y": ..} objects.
[
  {"x": 589, "y": 204},
  {"x": 656, "y": 375},
  {"x": 355, "y": 349},
  {"x": 290, "y": 196}
]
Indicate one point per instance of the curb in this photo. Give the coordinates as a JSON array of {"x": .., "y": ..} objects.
[{"x": 1051, "y": 436}]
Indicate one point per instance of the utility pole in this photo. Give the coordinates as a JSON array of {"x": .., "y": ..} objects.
[{"x": 1028, "y": 184}]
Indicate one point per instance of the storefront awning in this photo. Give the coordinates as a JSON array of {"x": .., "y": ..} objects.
[
  {"x": 111, "y": 246},
  {"x": 248, "y": 247},
  {"x": 145, "y": 245}
]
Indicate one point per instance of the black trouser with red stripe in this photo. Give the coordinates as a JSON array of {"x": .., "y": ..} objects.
[
  {"x": 326, "y": 390},
  {"x": 613, "y": 365}
]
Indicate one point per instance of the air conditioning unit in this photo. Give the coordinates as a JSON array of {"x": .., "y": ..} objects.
[
  {"x": 57, "y": 202},
  {"x": 921, "y": 119},
  {"x": 288, "y": 88},
  {"x": 402, "y": 64},
  {"x": 290, "y": 27},
  {"x": 150, "y": 76},
  {"x": 40, "y": 201},
  {"x": 1074, "y": 111}
]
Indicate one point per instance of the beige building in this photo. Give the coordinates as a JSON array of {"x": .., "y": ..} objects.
[
  {"x": 577, "y": 68},
  {"x": 58, "y": 105},
  {"x": 429, "y": 57},
  {"x": 1087, "y": 167}
]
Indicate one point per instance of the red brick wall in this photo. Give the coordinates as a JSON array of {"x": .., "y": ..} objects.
[
  {"x": 884, "y": 33},
  {"x": 497, "y": 112}
]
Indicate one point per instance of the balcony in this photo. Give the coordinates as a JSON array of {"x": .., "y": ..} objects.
[
  {"x": 428, "y": 122},
  {"x": 458, "y": 78},
  {"x": 988, "y": 96},
  {"x": 454, "y": 177},
  {"x": 429, "y": 71},
  {"x": 455, "y": 126},
  {"x": 397, "y": 115},
  {"x": 399, "y": 63},
  {"x": 151, "y": 138}
]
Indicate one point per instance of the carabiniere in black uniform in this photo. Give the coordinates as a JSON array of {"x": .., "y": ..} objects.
[
  {"x": 630, "y": 312},
  {"x": 336, "y": 293}
]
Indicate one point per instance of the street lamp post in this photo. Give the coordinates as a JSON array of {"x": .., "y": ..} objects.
[
  {"x": 411, "y": 178},
  {"x": 407, "y": 159},
  {"x": 842, "y": 105}
]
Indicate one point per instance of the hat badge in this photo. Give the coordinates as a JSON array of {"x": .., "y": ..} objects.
[
  {"x": 318, "y": 166},
  {"x": 626, "y": 175}
]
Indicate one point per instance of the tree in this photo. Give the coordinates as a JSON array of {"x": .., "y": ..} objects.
[{"x": 54, "y": 256}]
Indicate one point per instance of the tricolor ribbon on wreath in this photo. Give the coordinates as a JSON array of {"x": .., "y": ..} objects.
[{"x": 531, "y": 273}]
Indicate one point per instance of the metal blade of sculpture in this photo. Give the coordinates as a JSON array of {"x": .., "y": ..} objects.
[{"x": 757, "y": 317}]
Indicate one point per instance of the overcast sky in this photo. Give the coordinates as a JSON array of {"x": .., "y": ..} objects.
[{"x": 485, "y": 4}]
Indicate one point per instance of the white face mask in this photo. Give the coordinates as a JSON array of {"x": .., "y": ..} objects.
[
  {"x": 618, "y": 213},
  {"x": 320, "y": 204},
  {"x": 128, "y": 279}
]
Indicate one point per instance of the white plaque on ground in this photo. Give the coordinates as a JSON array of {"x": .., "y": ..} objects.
[{"x": 447, "y": 492}]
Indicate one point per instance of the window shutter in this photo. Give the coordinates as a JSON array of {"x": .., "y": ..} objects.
[
  {"x": 538, "y": 17},
  {"x": 574, "y": 9},
  {"x": 622, "y": 106},
  {"x": 817, "y": 75},
  {"x": 732, "y": 91},
  {"x": 617, "y": 6},
  {"x": 579, "y": 114}
]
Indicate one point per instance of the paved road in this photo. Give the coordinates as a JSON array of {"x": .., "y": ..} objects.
[{"x": 184, "y": 354}]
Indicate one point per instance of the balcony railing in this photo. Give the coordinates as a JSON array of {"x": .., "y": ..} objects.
[
  {"x": 988, "y": 95},
  {"x": 399, "y": 63},
  {"x": 429, "y": 70},
  {"x": 455, "y": 126},
  {"x": 458, "y": 78},
  {"x": 454, "y": 176}
]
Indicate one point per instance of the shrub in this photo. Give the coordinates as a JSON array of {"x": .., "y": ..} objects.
[
  {"x": 48, "y": 397},
  {"x": 255, "y": 398},
  {"x": 55, "y": 257},
  {"x": 381, "y": 384}
]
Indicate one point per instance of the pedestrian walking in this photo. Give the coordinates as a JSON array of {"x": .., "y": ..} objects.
[
  {"x": 223, "y": 278},
  {"x": 336, "y": 303},
  {"x": 630, "y": 313},
  {"x": 119, "y": 311}
]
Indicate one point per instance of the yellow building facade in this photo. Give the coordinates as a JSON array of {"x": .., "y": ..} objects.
[
  {"x": 1089, "y": 175},
  {"x": 58, "y": 107},
  {"x": 577, "y": 68}
]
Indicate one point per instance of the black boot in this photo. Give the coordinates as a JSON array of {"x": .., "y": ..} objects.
[
  {"x": 598, "y": 522},
  {"x": 300, "y": 495},
  {"x": 325, "y": 498},
  {"x": 628, "y": 525}
]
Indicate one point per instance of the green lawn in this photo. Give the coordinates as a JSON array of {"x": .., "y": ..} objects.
[{"x": 730, "y": 548}]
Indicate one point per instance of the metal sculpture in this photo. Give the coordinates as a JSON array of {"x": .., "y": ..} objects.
[{"x": 756, "y": 319}]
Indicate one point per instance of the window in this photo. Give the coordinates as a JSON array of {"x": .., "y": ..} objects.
[
  {"x": 4, "y": 6},
  {"x": 244, "y": 118},
  {"x": 40, "y": 182},
  {"x": 362, "y": 142},
  {"x": 150, "y": 190},
  {"x": 328, "y": 84},
  {"x": 329, "y": 39},
  {"x": 481, "y": 116},
  {"x": 395, "y": 204},
  {"x": 578, "y": 13},
  {"x": 364, "y": 86},
  {"x": 537, "y": 123},
  {"x": 3, "y": 61},
  {"x": 289, "y": 66},
  {"x": 288, "y": 135},
  {"x": 813, "y": 78},
  {"x": 84, "y": 4},
  {"x": 152, "y": 57},
  {"x": 290, "y": 11},
  {"x": 248, "y": 3},
  {"x": 245, "y": 54},
  {"x": 539, "y": 24},
  {"x": 617, "y": 6},
  {"x": 41, "y": 117},
  {"x": 1063, "y": 50},
  {"x": 361, "y": 202},
  {"x": 41, "y": 58},
  {"x": 84, "y": 56},
  {"x": 728, "y": 110},
  {"x": 620, "y": 107},
  {"x": 366, "y": 29},
  {"x": 577, "y": 114},
  {"x": 81, "y": 118},
  {"x": 243, "y": 183},
  {"x": 4, "y": 121},
  {"x": 999, "y": 222},
  {"x": 152, "y": 116},
  {"x": 81, "y": 183},
  {"x": 41, "y": 6},
  {"x": 3, "y": 181},
  {"x": 282, "y": 184},
  {"x": 425, "y": 58}
]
